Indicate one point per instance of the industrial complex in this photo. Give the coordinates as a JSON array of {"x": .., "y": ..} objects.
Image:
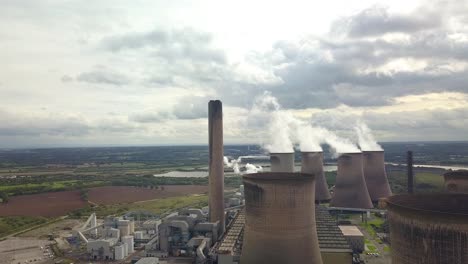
[{"x": 288, "y": 216}]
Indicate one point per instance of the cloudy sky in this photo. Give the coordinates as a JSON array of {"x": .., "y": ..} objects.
[{"x": 84, "y": 73}]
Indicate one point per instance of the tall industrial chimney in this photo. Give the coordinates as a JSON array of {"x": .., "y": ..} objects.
[
  {"x": 280, "y": 219},
  {"x": 350, "y": 186},
  {"x": 409, "y": 166},
  {"x": 375, "y": 175},
  {"x": 428, "y": 228},
  {"x": 216, "y": 166},
  {"x": 282, "y": 162},
  {"x": 312, "y": 163}
]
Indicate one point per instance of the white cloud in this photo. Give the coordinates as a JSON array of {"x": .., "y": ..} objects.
[{"x": 154, "y": 66}]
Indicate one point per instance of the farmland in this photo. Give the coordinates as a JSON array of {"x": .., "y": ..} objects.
[
  {"x": 44, "y": 204},
  {"x": 125, "y": 194},
  {"x": 53, "y": 204}
]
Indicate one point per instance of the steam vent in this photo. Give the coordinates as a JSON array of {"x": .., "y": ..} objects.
[
  {"x": 282, "y": 162},
  {"x": 350, "y": 187},
  {"x": 280, "y": 219},
  {"x": 312, "y": 163},
  {"x": 375, "y": 175},
  {"x": 428, "y": 228},
  {"x": 456, "y": 181},
  {"x": 216, "y": 165}
]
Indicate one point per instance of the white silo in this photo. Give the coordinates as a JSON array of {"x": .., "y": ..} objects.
[
  {"x": 119, "y": 252},
  {"x": 129, "y": 241}
]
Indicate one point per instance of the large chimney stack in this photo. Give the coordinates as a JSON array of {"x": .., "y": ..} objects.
[
  {"x": 350, "y": 186},
  {"x": 375, "y": 175},
  {"x": 280, "y": 219},
  {"x": 216, "y": 165},
  {"x": 312, "y": 163},
  {"x": 282, "y": 162},
  {"x": 409, "y": 166}
]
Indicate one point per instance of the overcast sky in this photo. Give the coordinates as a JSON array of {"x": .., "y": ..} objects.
[{"x": 85, "y": 73}]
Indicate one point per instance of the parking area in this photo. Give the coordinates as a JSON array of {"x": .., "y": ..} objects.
[{"x": 17, "y": 250}]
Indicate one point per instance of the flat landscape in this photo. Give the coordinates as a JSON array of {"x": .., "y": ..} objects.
[
  {"x": 50, "y": 204},
  {"x": 129, "y": 194},
  {"x": 53, "y": 204}
]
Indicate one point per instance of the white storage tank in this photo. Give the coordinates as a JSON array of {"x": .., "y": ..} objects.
[
  {"x": 234, "y": 201},
  {"x": 138, "y": 234},
  {"x": 119, "y": 252},
  {"x": 124, "y": 227},
  {"x": 129, "y": 241},
  {"x": 125, "y": 248}
]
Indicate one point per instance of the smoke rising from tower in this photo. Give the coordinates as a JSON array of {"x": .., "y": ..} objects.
[
  {"x": 365, "y": 138},
  {"x": 285, "y": 130}
]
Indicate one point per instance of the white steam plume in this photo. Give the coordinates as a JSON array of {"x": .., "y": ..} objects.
[
  {"x": 235, "y": 164},
  {"x": 340, "y": 145},
  {"x": 285, "y": 130},
  {"x": 250, "y": 168},
  {"x": 278, "y": 121},
  {"x": 365, "y": 138}
]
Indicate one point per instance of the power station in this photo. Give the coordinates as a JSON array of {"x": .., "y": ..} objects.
[
  {"x": 280, "y": 219},
  {"x": 375, "y": 175},
  {"x": 281, "y": 216},
  {"x": 428, "y": 228},
  {"x": 350, "y": 187},
  {"x": 312, "y": 163}
]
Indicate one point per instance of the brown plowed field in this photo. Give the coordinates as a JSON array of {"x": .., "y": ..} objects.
[
  {"x": 127, "y": 194},
  {"x": 43, "y": 204},
  {"x": 60, "y": 203}
]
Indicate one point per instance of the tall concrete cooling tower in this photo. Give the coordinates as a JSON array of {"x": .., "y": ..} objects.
[
  {"x": 456, "y": 181},
  {"x": 312, "y": 163},
  {"x": 280, "y": 219},
  {"x": 216, "y": 166},
  {"x": 375, "y": 175},
  {"x": 282, "y": 162},
  {"x": 350, "y": 186},
  {"x": 428, "y": 228}
]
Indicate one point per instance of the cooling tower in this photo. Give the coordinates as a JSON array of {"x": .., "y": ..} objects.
[
  {"x": 282, "y": 162},
  {"x": 428, "y": 228},
  {"x": 312, "y": 163},
  {"x": 375, "y": 175},
  {"x": 456, "y": 181},
  {"x": 350, "y": 186},
  {"x": 216, "y": 166},
  {"x": 280, "y": 219}
]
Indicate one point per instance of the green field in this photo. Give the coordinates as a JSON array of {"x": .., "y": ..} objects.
[
  {"x": 12, "y": 224},
  {"x": 158, "y": 206}
]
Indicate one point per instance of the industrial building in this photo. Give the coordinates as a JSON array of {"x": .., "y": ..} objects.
[
  {"x": 428, "y": 228},
  {"x": 111, "y": 240},
  {"x": 456, "y": 181},
  {"x": 277, "y": 216},
  {"x": 350, "y": 188},
  {"x": 334, "y": 248},
  {"x": 282, "y": 162},
  {"x": 312, "y": 163},
  {"x": 375, "y": 175}
]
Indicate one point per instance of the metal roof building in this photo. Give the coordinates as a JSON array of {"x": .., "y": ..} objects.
[{"x": 334, "y": 247}]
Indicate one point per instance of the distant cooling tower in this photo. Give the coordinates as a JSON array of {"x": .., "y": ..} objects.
[
  {"x": 282, "y": 162},
  {"x": 375, "y": 175},
  {"x": 312, "y": 163},
  {"x": 350, "y": 186},
  {"x": 456, "y": 181},
  {"x": 428, "y": 228},
  {"x": 216, "y": 165},
  {"x": 280, "y": 219}
]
